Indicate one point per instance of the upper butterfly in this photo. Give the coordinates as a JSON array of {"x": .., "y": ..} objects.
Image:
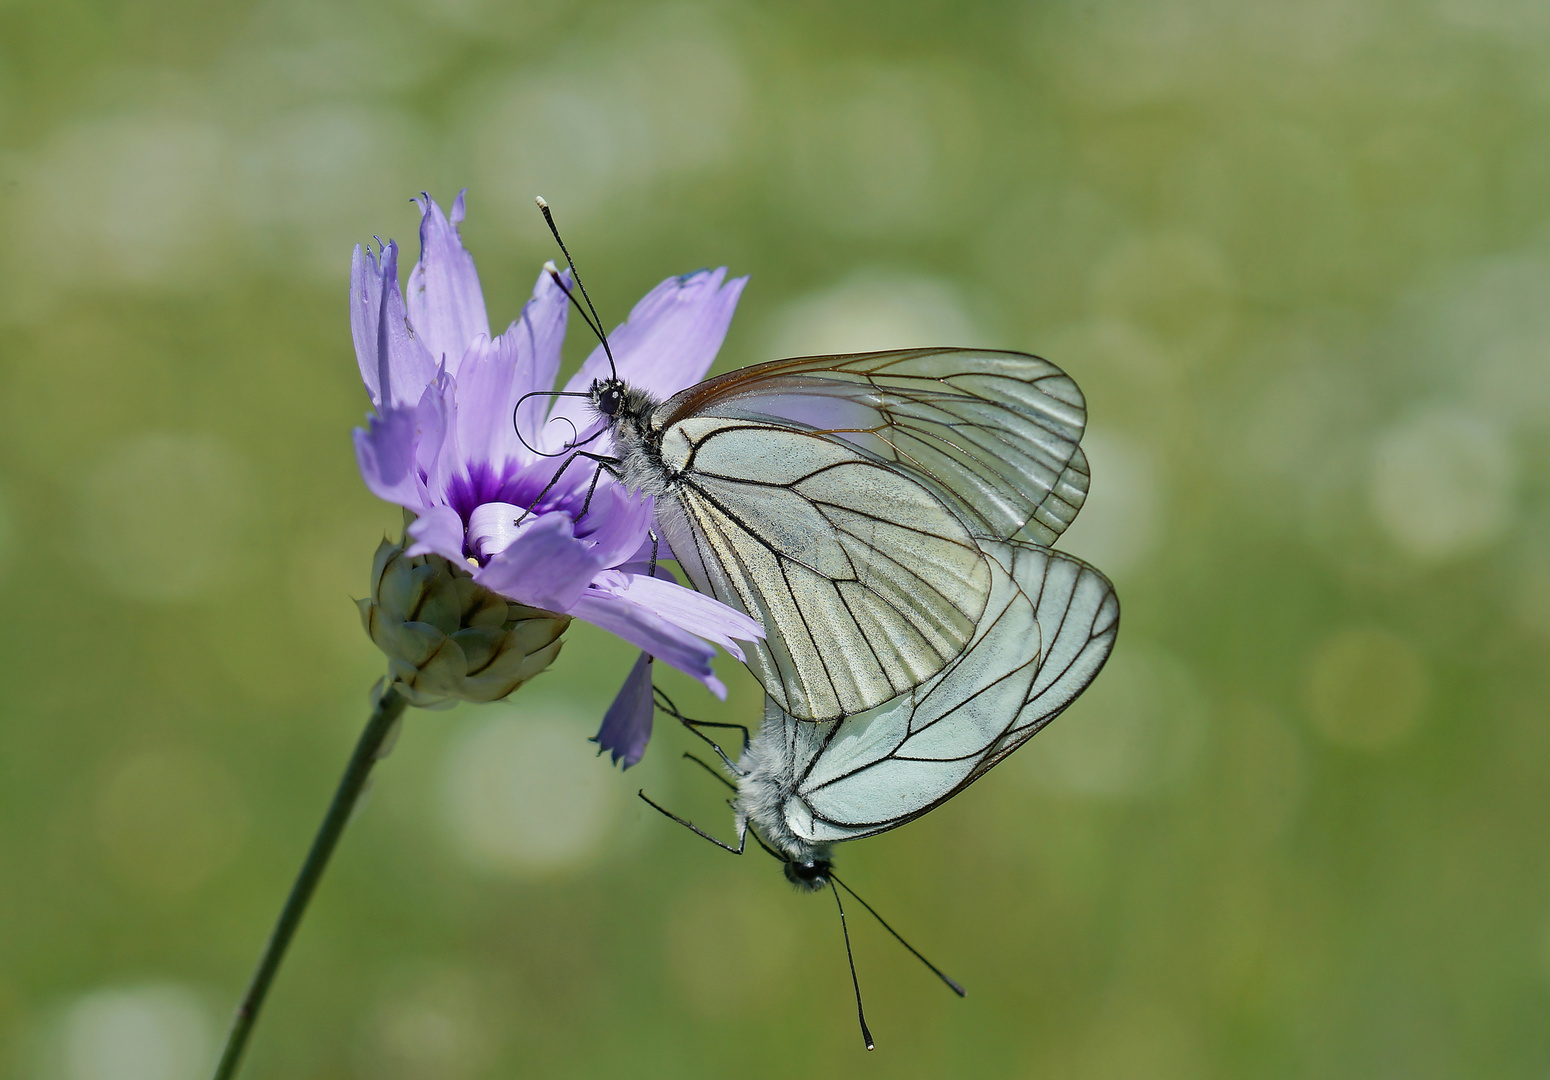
[{"x": 841, "y": 501}]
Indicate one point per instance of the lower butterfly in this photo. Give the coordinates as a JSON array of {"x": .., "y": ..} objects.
[{"x": 1047, "y": 630}]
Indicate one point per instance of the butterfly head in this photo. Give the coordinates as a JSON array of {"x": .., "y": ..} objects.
[
  {"x": 608, "y": 396},
  {"x": 809, "y": 874}
]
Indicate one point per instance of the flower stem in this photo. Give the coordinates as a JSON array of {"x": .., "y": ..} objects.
[{"x": 367, "y": 752}]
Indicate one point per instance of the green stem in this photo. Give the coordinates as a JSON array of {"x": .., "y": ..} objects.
[{"x": 367, "y": 751}]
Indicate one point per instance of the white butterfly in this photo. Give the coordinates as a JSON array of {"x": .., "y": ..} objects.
[
  {"x": 842, "y": 501},
  {"x": 1048, "y": 627}
]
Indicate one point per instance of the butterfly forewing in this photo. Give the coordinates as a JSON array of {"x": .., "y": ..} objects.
[
  {"x": 867, "y": 582},
  {"x": 994, "y": 434},
  {"x": 1049, "y": 625}
]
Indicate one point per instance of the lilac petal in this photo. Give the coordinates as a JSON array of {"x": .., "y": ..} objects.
[
  {"x": 627, "y": 725},
  {"x": 446, "y": 306},
  {"x": 438, "y": 530},
  {"x": 492, "y": 527},
  {"x": 483, "y": 412},
  {"x": 394, "y": 363},
  {"x": 544, "y": 567},
  {"x": 616, "y": 522},
  {"x": 385, "y": 451},
  {"x": 535, "y": 339},
  {"x": 437, "y": 455},
  {"x": 701, "y": 615},
  {"x": 641, "y": 626},
  {"x": 667, "y": 343}
]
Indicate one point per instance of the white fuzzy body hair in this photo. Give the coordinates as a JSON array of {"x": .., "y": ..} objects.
[
  {"x": 638, "y": 445},
  {"x": 767, "y": 783}
]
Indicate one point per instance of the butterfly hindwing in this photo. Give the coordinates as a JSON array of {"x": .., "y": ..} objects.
[{"x": 1049, "y": 626}]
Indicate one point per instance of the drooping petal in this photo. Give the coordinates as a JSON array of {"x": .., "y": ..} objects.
[
  {"x": 627, "y": 725},
  {"x": 438, "y": 530},
  {"x": 667, "y": 343},
  {"x": 544, "y": 567},
  {"x": 701, "y": 615},
  {"x": 641, "y": 626},
  {"x": 395, "y": 364},
  {"x": 385, "y": 451},
  {"x": 446, "y": 305}
]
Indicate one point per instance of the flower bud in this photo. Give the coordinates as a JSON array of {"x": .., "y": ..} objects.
[{"x": 449, "y": 639}]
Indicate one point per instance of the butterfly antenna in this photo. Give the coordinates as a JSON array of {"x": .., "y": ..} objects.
[
  {"x": 554, "y": 275},
  {"x": 597, "y": 322},
  {"x": 856, "y": 983},
  {"x": 952, "y": 984}
]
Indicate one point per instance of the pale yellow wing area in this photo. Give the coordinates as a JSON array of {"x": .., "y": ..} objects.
[{"x": 864, "y": 580}]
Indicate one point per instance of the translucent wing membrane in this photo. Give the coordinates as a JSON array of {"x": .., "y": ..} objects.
[
  {"x": 866, "y": 581},
  {"x": 1048, "y": 627},
  {"x": 993, "y": 434}
]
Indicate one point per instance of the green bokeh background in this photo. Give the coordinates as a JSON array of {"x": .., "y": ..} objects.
[{"x": 1296, "y": 253}]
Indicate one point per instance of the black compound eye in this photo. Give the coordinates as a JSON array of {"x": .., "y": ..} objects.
[{"x": 609, "y": 400}]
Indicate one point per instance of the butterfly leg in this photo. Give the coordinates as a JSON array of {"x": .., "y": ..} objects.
[
  {"x": 555, "y": 479},
  {"x": 611, "y": 464},
  {"x": 665, "y": 703},
  {"x": 652, "y": 571},
  {"x": 742, "y": 838},
  {"x": 704, "y": 765}
]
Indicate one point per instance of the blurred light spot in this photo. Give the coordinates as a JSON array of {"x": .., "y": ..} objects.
[
  {"x": 526, "y": 793},
  {"x": 1442, "y": 484},
  {"x": 873, "y": 311},
  {"x": 1120, "y": 523},
  {"x": 734, "y": 948},
  {"x": 136, "y": 198},
  {"x": 1486, "y": 333},
  {"x": 1365, "y": 688},
  {"x": 663, "y": 102},
  {"x": 433, "y": 1026},
  {"x": 151, "y": 1032},
  {"x": 170, "y": 819},
  {"x": 1138, "y": 729},
  {"x": 161, "y": 518},
  {"x": 1177, "y": 286}
]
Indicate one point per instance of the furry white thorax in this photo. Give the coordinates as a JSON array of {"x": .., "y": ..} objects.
[
  {"x": 637, "y": 444},
  {"x": 767, "y": 783}
]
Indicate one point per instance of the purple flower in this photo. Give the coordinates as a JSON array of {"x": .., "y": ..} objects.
[{"x": 442, "y": 444}]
